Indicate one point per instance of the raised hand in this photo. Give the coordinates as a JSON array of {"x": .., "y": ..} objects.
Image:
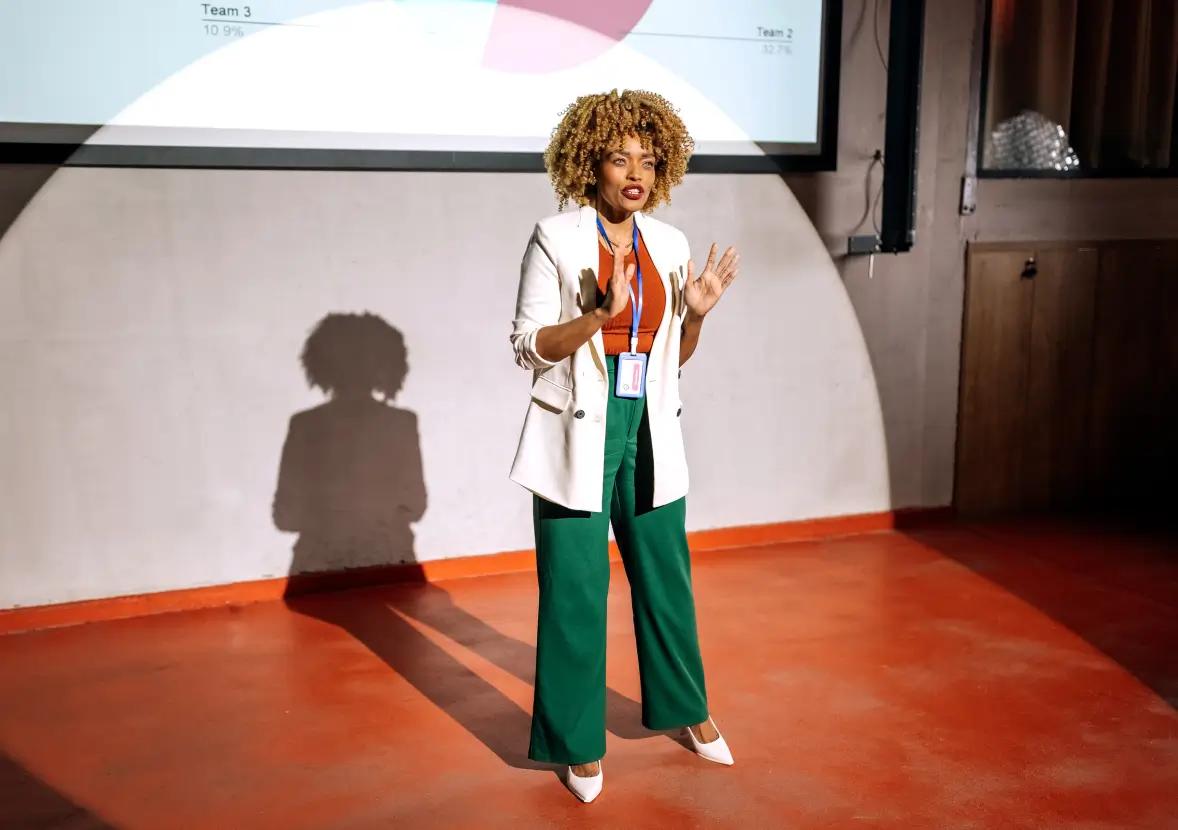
[
  {"x": 617, "y": 292},
  {"x": 701, "y": 294}
]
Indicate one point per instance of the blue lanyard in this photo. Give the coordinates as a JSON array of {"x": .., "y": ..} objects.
[{"x": 636, "y": 303}]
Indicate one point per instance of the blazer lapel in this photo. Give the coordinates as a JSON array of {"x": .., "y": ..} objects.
[{"x": 587, "y": 263}]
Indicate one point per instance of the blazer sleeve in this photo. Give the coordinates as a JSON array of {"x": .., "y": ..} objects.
[{"x": 538, "y": 302}]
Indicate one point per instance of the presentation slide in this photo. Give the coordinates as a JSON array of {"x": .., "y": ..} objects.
[{"x": 426, "y": 75}]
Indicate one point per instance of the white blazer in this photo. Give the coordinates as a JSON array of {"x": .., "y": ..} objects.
[{"x": 561, "y": 451}]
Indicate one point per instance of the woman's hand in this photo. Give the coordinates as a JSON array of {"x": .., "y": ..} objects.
[
  {"x": 701, "y": 294},
  {"x": 617, "y": 292}
]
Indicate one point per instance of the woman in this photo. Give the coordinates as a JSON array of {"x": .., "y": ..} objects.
[{"x": 601, "y": 441}]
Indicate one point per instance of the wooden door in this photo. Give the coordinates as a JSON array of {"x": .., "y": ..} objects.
[
  {"x": 994, "y": 380},
  {"x": 1069, "y": 385},
  {"x": 1055, "y": 434},
  {"x": 1133, "y": 432}
]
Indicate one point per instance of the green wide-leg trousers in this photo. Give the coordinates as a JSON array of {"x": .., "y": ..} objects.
[{"x": 568, "y": 715}]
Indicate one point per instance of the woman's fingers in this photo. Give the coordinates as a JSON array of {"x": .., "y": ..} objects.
[
  {"x": 618, "y": 293},
  {"x": 718, "y": 274},
  {"x": 622, "y": 278},
  {"x": 727, "y": 269},
  {"x": 728, "y": 261},
  {"x": 711, "y": 258}
]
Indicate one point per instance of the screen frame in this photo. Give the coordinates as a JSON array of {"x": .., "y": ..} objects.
[{"x": 76, "y": 153}]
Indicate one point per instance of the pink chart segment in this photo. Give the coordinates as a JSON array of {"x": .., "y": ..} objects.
[{"x": 544, "y": 42}]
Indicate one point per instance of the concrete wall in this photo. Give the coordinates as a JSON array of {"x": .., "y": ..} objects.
[{"x": 152, "y": 323}]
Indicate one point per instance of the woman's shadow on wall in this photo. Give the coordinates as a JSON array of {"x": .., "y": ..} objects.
[
  {"x": 351, "y": 485},
  {"x": 350, "y": 482}
]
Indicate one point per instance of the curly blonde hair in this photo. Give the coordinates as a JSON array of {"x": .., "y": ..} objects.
[{"x": 593, "y": 125}]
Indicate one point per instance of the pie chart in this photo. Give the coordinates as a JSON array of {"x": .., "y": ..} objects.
[{"x": 544, "y": 41}]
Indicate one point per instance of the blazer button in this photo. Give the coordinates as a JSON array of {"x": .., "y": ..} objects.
[
  {"x": 680, "y": 412},
  {"x": 580, "y": 413}
]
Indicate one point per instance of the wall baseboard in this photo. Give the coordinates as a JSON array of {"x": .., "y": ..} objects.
[{"x": 15, "y": 620}]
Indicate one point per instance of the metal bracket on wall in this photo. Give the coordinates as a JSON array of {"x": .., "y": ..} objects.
[
  {"x": 865, "y": 244},
  {"x": 969, "y": 195}
]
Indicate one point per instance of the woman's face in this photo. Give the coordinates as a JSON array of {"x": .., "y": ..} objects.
[{"x": 626, "y": 177}]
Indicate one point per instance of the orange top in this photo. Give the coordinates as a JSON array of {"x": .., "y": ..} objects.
[{"x": 616, "y": 332}]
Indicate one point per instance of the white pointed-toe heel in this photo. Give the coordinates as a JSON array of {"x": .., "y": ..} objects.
[
  {"x": 716, "y": 751},
  {"x": 587, "y": 787}
]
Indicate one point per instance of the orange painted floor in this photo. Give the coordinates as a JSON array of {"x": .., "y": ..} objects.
[{"x": 994, "y": 676}]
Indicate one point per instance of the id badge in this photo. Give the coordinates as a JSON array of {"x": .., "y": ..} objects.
[{"x": 631, "y": 381}]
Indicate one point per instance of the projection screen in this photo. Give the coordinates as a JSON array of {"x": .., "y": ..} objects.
[{"x": 436, "y": 84}]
